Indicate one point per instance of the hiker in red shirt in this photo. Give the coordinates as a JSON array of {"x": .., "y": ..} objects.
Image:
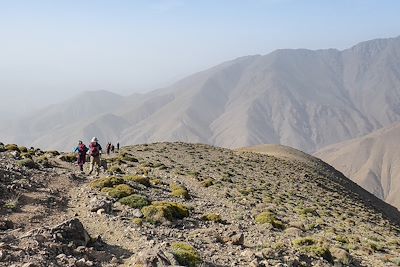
[
  {"x": 82, "y": 150},
  {"x": 95, "y": 152}
]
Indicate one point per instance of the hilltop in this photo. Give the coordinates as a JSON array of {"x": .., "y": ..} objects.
[{"x": 192, "y": 205}]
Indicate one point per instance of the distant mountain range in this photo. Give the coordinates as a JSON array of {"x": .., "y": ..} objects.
[
  {"x": 372, "y": 161},
  {"x": 300, "y": 98}
]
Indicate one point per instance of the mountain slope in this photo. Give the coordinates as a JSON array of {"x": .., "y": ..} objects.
[
  {"x": 301, "y": 98},
  {"x": 372, "y": 161},
  {"x": 55, "y": 123},
  {"x": 179, "y": 204}
]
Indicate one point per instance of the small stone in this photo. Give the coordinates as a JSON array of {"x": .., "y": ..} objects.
[
  {"x": 341, "y": 255},
  {"x": 89, "y": 263},
  {"x": 234, "y": 238},
  {"x": 254, "y": 263},
  {"x": 40, "y": 238},
  {"x": 96, "y": 204},
  {"x": 101, "y": 211},
  {"x": 80, "y": 263},
  {"x": 248, "y": 254},
  {"x": 114, "y": 260},
  {"x": 61, "y": 256},
  {"x": 137, "y": 213},
  {"x": 29, "y": 264}
]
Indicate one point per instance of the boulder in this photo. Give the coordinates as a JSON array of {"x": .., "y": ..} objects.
[
  {"x": 6, "y": 224},
  {"x": 71, "y": 231},
  {"x": 96, "y": 204},
  {"x": 153, "y": 258},
  {"x": 234, "y": 238}
]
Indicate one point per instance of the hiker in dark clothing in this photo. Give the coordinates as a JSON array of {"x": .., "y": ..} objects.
[
  {"x": 95, "y": 152},
  {"x": 108, "y": 148},
  {"x": 82, "y": 150},
  {"x": 112, "y": 148},
  {"x": 118, "y": 146}
]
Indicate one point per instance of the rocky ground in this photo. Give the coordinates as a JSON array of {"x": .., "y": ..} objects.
[{"x": 177, "y": 204}]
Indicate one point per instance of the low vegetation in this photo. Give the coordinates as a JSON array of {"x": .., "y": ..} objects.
[
  {"x": 28, "y": 163},
  {"x": 269, "y": 217},
  {"x": 159, "y": 212},
  {"x": 106, "y": 182},
  {"x": 135, "y": 201},
  {"x": 120, "y": 191},
  {"x": 115, "y": 169},
  {"x": 179, "y": 191},
  {"x": 68, "y": 157},
  {"x": 186, "y": 254},
  {"x": 138, "y": 179}
]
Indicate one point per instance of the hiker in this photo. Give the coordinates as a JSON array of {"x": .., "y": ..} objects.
[
  {"x": 118, "y": 146},
  {"x": 112, "y": 148},
  {"x": 95, "y": 152},
  {"x": 108, "y": 148},
  {"x": 82, "y": 150}
]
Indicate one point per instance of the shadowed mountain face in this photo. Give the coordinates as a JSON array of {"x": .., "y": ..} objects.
[
  {"x": 372, "y": 161},
  {"x": 301, "y": 98}
]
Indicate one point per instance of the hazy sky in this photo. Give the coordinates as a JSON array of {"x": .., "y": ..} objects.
[{"x": 51, "y": 49}]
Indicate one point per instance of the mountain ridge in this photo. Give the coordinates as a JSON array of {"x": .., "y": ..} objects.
[{"x": 306, "y": 99}]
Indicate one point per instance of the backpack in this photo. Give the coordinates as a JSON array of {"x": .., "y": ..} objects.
[
  {"x": 94, "y": 149},
  {"x": 83, "y": 149}
]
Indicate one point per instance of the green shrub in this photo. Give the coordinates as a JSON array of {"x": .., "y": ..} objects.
[
  {"x": 318, "y": 251},
  {"x": 26, "y": 155},
  {"x": 212, "y": 217},
  {"x": 159, "y": 212},
  {"x": 306, "y": 211},
  {"x": 155, "y": 181},
  {"x": 120, "y": 191},
  {"x": 23, "y": 149},
  {"x": 115, "y": 169},
  {"x": 44, "y": 161},
  {"x": 179, "y": 191},
  {"x": 28, "y": 163},
  {"x": 71, "y": 157},
  {"x": 12, "y": 204},
  {"x": 186, "y": 255},
  {"x": 138, "y": 179},
  {"x": 2, "y": 148},
  {"x": 376, "y": 246},
  {"x": 127, "y": 157},
  {"x": 53, "y": 153},
  {"x": 106, "y": 190},
  {"x": 106, "y": 182},
  {"x": 306, "y": 241},
  {"x": 137, "y": 221},
  {"x": 12, "y": 147},
  {"x": 269, "y": 217},
  {"x": 135, "y": 201},
  {"x": 341, "y": 239}
]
